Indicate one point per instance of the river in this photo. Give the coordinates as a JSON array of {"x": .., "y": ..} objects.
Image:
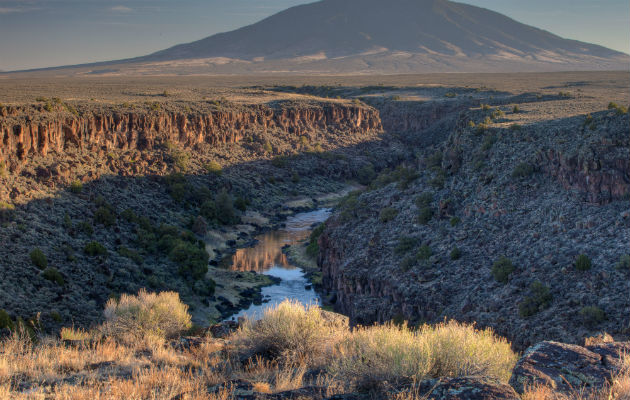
[{"x": 266, "y": 257}]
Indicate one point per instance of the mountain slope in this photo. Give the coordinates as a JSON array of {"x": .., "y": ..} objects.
[{"x": 394, "y": 35}]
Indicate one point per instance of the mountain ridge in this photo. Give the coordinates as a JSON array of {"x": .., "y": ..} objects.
[{"x": 369, "y": 36}]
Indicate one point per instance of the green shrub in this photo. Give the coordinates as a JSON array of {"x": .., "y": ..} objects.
[
  {"x": 76, "y": 187},
  {"x": 147, "y": 314},
  {"x": 592, "y": 315},
  {"x": 128, "y": 215},
  {"x": 456, "y": 253},
  {"x": 56, "y": 316},
  {"x": 434, "y": 160},
  {"x": 192, "y": 260},
  {"x": 424, "y": 253},
  {"x": 620, "y": 110},
  {"x": 5, "y": 320},
  {"x": 86, "y": 228},
  {"x": 104, "y": 216},
  {"x": 241, "y": 203},
  {"x": 209, "y": 210},
  {"x": 387, "y": 214},
  {"x": 501, "y": 269},
  {"x": 53, "y": 275},
  {"x": 515, "y": 127},
  {"x": 38, "y": 258},
  {"x": 408, "y": 262},
  {"x": 439, "y": 179},
  {"x": 425, "y": 215},
  {"x": 523, "y": 170},
  {"x": 204, "y": 287},
  {"x": 214, "y": 167},
  {"x": 225, "y": 213},
  {"x": 624, "y": 263},
  {"x": 94, "y": 249},
  {"x": 424, "y": 200},
  {"x": 366, "y": 174},
  {"x": 583, "y": 263},
  {"x": 488, "y": 142},
  {"x": 485, "y": 107},
  {"x": 405, "y": 244},
  {"x": 130, "y": 254},
  {"x": 455, "y": 221},
  {"x": 516, "y": 110},
  {"x": 312, "y": 250},
  {"x": 267, "y": 147},
  {"x": 539, "y": 299}
]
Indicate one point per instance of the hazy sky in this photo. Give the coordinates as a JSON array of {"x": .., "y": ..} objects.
[{"x": 42, "y": 33}]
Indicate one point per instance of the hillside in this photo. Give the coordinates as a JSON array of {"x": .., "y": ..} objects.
[{"x": 371, "y": 36}]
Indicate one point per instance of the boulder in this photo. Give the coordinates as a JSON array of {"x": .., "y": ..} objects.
[
  {"x": 466, "y": 388},
  {"x": 568, "y": 367}
]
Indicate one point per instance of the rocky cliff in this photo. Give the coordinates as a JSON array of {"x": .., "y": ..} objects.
[
  {"x": 24, "y": 134},
  {"x": 484, "y": 229}
]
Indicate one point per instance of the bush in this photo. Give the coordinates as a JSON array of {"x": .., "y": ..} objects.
[
  {"x": 53, "y": 275},
  {"x": 191, "y": 259},
  {"x": 241, "y": 203},
  {"x": 290, "y": 331},
  {"x": 424, "y": 253},
  {"x": 86, "y": 228},
  {"x": 147, "y": 314},
  {"x": 267, "y": 147},
  {"x": 130, "y": 254},
  {"x": 501, "y": 269},
  {"x": 372, "y": 355},
  {"x": 5, "y": 320},
  {"x": 38, "y": 258},
  {"x": 209, "y": 210},
  {"x": 523, "y": 170},
  {"x": 434, "y": 160},
  {"x": 214, "y": 167},
  {"x": 624, "y": 263},
  {"x": 225, "y": 213},
  {"x": 424, "y": 200},
  {"x": 405, "y": 244},
  {"x": 76, "y": 187},
  {"x": 583, "y": 263},
  {"x": 456, "y": 253},
  {"x": 592, "y": 315},
  {"x": 516, "y": 110},
  {"x": 312, "y": 250},
  {"x": 104, "y": 215},
  {"x": 425, "y": 215},
  {"x": 387, "y": 214},
  {"x": 454, "y": 221},
  {"x": 366, "y": 174},
  {"x": 94, "y": 249},
  {"x": 539, "y": 300}
]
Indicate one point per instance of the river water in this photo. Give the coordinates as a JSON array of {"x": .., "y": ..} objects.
[{"x": 266, "y": 257}]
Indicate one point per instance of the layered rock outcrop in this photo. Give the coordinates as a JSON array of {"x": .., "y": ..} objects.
[{"x": 22, "y": 135}]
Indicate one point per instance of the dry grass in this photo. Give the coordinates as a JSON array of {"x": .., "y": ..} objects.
[
  {"x": 291, "y": 332},
  {"x": 394, "y": 353},
  {"x": 147, "y": 314},
  {"x": 289, "y": 344}
]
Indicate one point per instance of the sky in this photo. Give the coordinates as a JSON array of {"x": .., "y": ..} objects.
[{"x": 45, "y": 33}]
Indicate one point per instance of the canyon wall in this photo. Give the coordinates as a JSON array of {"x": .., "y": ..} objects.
[{"x": 22, "y": 135}]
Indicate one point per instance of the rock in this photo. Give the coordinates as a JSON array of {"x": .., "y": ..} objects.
[
  {"x": 466, "y": 388},
  {"x": 567, "y": 367},
  {"x": 223, "y": 329}
]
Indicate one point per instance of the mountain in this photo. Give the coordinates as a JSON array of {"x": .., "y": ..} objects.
[
  {"x": 393, "y": 36},
  {"x": 375, "y": 36}
]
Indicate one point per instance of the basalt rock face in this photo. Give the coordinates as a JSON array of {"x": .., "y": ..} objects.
[
  {"x": 599, "y": 168},
  {"x": 22, "y": 136},
  {"x": 500, "y": 192},
  {"x": 566, "y": 367}
]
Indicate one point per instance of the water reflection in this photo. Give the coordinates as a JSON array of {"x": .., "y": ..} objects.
[
  {"x": 267, "y": 253},
  {"x": 266, "y": 257}
]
